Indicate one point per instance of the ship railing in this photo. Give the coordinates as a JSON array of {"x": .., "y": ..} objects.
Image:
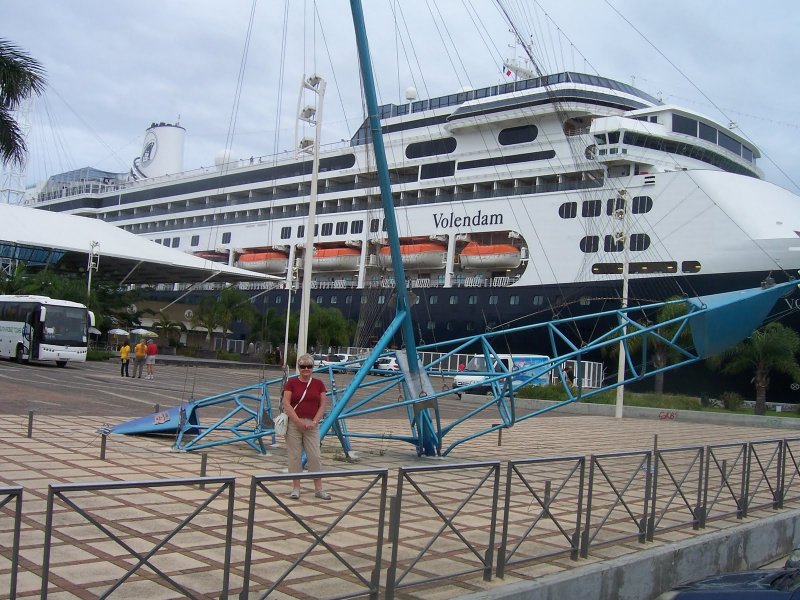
[{"x": 501, "y": 281}]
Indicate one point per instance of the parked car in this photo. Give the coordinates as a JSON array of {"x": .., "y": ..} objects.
[
  {"x": 387, "y": 363},
  {"x": 747, "y": 585},
  {"x": 320, "y": 360}
]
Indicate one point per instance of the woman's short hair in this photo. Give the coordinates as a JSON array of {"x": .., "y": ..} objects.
[{"x": 307, "y": 358}]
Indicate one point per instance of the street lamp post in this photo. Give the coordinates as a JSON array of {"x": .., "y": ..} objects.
[{"x": 92, "y": 265}]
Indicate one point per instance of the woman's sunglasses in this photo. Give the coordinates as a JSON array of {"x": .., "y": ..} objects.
[{"x": 306, "y": 366}]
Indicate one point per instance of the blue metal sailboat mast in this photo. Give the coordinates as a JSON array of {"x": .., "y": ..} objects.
[{"x": 382, "y": 166}]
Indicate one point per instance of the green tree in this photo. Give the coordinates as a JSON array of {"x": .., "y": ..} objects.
[
  {"x": 771, "y": 348},
  {"x": 20, "y": 76},
  {"x": 169, "y": 329},
  {"x": 328, "y": 327},
  {"x": 659, "y": 352},
  {"x": 209, "y": 316},
  {"x": 269, "y": 326},
  {"x": 17, "y": 282}
]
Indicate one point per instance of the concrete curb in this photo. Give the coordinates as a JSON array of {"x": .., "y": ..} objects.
[{"x": 647, "y": 573}]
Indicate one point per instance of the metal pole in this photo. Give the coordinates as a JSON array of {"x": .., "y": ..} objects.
[
  {"x": 315, "y": 84},
  {"x": 30, "y": 423},
  {"x": 385, "y": 184},
  {"x": 621, "y": 359}
]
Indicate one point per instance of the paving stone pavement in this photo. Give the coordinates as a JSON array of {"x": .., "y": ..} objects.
[{"x": 84, "y": 562}]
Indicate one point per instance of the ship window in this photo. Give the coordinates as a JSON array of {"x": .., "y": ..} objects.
[
  {"x": 431, "y": 325},
  {"x": 176, "y": 242},
  {"x": 470, "y": 326},
  {"x": 584, "y": 301},
  {"x": 316, "y": 229},
  {"x": 513, "y": 300},
  {"x": 685, "y": 125},
  {"x": 363, "y": 299},
  {"x": 327, "y": 228},
  {"x": 518, "y": 135},
  {"x": 416, "y": 299},
  {"x": 165, "y": 242},
  {"x": 381, "y": 299},
  {"x": 708, "y": 133},
  {"x": 729, "y": 143},
  {"x": 568, "y": 210},
  {"x": 493, "y": 299},
  {"x": 614, "y": 204},
  {"x": 472, "y": 300},
  {"x": 286, "y": 233},
  {"x": 356, "y": 226},
  {"x": 642, "y": 204},
  {"x": 538, "y": 300},
  {"x": 613, "y": 137},
  {"x": 690, "y": 266},
  {"x": 607, "y": 268},
  {"x": 600, "y": 138},
  {"x": 591, "y": 208},
  {"x": 747, "y": 154},
  {"x": 453, "y": 299},
  {"x": 348, "y": 299},
  {"x": 613, "y": 244},
  {"x": 441, "y": 169},
  {"x": 341, "y": 228},
  {"x": 278, "y": 299},
  {"x": 506, "y": 160},
  {"x": 195, "y": 240},
  {"x": 334, "y": 299},
  {"x": 640, "y": 241},
  {"x": 318, "y": 300},
  {"x": 374, "y": 225},
  {"x": 434, "y": 299},
  {"x": 653, "y": 267},
  {"x": 449, "y": 326},
  {"x": 301, "y": 231},
  {"x": 158, "y": 241},
  {"x": 431, "y": 148},
  {"x": 591, "y": 243}
]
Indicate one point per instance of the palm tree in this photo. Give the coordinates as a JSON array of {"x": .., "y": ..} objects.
[
  {"x": 20, "y": 76},
  {"x": 772, "y": 348},
  {"x": 169, "y": 328}
]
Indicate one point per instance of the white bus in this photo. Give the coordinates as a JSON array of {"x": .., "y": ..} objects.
[{"x": 41, "y": 328}]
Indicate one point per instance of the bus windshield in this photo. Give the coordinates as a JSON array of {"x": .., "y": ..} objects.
[{"x": 65, "y": 325}]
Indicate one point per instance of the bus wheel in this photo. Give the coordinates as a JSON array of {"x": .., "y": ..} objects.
[
  {"x": 61, "y": 363},
  {"x": 19, "y": 358}
]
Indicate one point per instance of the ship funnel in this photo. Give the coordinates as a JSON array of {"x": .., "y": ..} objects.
[{"x": 162, "y": 151}]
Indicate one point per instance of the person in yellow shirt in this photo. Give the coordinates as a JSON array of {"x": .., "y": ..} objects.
[
  {"x": 125, "y": 357},
  {"x": 140, "y": 353}
]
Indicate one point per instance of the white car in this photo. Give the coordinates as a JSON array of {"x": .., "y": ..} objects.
[{"x": 387, "y": 363}]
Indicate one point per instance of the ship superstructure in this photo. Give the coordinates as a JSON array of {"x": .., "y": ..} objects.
[{"x": 515, "y": 201}]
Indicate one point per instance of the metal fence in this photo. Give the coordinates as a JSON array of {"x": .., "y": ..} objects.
[{"x": 440, "y": 523}]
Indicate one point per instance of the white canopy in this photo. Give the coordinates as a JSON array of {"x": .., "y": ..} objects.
[{"x": 65, "y": 242}]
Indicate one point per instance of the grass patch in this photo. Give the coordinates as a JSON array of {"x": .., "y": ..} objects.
[{"x": 661, "y": 401}]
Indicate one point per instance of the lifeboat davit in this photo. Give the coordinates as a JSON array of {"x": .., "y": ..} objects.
[
  {"x": 477, "y": 256},
  {"x": 335, "y": 259},
  {"x": 212, "y": 255},
  {"x": 424, "y": 255},
  {"x": 264, "y": 262}
]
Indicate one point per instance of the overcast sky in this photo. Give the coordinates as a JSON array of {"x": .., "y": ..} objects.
[{"x": 114, "y": 67}]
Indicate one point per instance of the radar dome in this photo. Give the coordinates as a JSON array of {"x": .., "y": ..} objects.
[
  {"x": 411, "y": 93},
  {"x": 221, "y": 158}
]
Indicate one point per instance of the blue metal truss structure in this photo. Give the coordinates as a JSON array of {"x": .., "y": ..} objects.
[{"x": 710, "y": 325}]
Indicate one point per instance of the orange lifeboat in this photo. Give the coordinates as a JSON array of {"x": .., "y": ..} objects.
[
  {"x": 264, "y": 262},
  {"x": 335, "y": 259},
  {"x": 423, "y": 255},
  {"x": 477, "y": 256}
]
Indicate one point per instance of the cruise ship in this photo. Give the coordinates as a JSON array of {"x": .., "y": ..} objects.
[{"x": 516, "y": 203}]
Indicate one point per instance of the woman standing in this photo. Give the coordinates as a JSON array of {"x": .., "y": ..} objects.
[
  {"x": 125, "y": 357},
  {"x": 304, "y": 401}
]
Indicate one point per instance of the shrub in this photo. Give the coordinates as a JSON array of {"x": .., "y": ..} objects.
[
  {"x": 95, "y": 354},
  {"x": 731, "y": 400}
]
